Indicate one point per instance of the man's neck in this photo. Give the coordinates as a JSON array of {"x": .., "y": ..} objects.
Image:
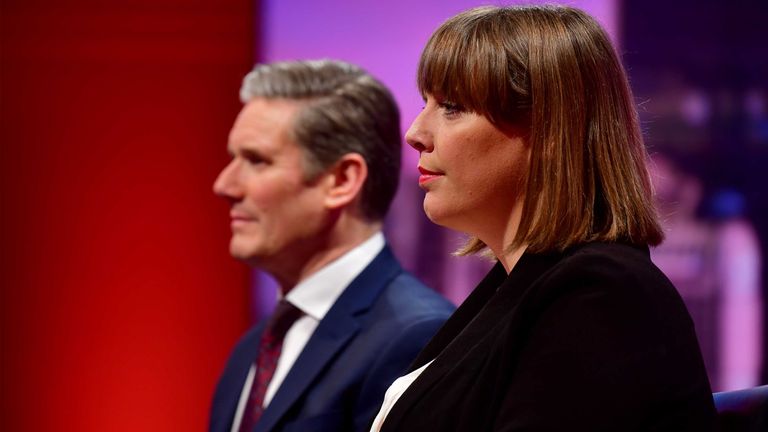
[{"x": 323, "y": 253}]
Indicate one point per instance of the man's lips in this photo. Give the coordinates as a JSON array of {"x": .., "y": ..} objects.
[
  {"x": 238, "y": 215},
  {"x": 238, "y": 218},
  {"x": 427, "y": 175}
]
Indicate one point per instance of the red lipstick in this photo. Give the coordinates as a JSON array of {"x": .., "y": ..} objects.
[{"x": 427, "y": 175}]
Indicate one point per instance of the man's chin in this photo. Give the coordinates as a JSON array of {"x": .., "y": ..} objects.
[{"x": 242, "y": 253}]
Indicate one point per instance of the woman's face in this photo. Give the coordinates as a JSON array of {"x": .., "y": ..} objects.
[{"x": 472, "y": 171}]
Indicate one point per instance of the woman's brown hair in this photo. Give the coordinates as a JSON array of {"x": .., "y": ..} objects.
[{"x": 552, "y": 71}]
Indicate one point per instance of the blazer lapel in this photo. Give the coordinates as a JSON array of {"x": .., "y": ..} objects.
[
  {"x": 474, "y": 320},
  {"x": 462, "y": 316},
  {"x": 333, "y": 332}
]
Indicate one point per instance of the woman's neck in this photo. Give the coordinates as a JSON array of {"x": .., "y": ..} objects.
[
  {"x": 509, "y": 258},
  {"x": 499, "y": 239}
]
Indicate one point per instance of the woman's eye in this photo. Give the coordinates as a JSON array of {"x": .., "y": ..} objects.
[{"x": 451, "y": 108}]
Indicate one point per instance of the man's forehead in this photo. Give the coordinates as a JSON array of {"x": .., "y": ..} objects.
[
  {"x": 270, "y": 108},
  {"x": 264, "y": 119}
]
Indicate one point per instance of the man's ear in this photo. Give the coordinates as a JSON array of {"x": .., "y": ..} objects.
[{"x": 347, "y": 175}]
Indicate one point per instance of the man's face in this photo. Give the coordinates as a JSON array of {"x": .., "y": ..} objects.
[{"x": 276, "y": 213}]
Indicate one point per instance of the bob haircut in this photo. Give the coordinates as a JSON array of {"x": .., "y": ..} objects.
[{"x": 552, "y": 72}]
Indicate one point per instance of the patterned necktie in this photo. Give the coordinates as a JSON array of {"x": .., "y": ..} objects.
[{"x": 269, "y": 351}]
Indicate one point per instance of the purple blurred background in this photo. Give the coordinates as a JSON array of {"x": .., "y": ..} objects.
[
  {"x": 697, "y": 69},
  {"x": 386, "y": 39}
]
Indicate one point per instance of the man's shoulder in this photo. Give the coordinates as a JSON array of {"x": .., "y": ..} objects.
[
  {"x": 384, "y": 286},
  {"x": 406, "y": 296}
]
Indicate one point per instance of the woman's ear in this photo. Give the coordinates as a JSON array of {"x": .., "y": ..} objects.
[{"x": 347, "y": 175}]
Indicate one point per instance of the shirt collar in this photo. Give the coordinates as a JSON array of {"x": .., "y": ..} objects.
[{"x": 316, "y": 294}]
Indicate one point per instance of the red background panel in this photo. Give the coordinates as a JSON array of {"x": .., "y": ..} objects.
[{"x": 119, "y": 302}]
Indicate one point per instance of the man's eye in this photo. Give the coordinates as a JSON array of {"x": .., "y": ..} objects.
[{"x": 252, "y": 157}]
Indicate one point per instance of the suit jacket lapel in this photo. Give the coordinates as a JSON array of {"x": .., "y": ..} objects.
[
  {"x": 332, "y": 334},
  {"x": 235, "y": 377}
]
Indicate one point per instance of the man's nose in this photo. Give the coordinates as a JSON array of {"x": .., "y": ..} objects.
[{"x": 225, "y": 184}]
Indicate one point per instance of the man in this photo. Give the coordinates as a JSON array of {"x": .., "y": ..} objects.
[{"x": 315, "y": 163}]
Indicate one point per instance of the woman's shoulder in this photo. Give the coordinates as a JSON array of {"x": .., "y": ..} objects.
[
  {"x": 619, "y": 253},
  {"x": 615, "y": 269},
  {"x": 615, "y": 286},
  {"x": 628, "y": 264}
]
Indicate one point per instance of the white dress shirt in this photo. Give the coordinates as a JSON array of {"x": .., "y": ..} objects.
[{"x": 314, "y": 296}]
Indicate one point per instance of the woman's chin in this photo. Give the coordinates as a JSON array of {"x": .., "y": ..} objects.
[
  {"x": 432, "y": 213},
  {"x": 440, "y": 215}
]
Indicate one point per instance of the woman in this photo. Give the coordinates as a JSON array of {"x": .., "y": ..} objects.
[{"x": 529, "y": 142}]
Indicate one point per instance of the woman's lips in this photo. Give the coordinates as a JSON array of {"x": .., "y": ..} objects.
[{"x": 427, "y": 175}]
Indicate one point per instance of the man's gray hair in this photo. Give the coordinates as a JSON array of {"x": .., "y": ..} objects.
[{"x": 347, "y": 111}]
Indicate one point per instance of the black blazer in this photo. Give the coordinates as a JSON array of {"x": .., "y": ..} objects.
[{"x": 595, "y": 338}]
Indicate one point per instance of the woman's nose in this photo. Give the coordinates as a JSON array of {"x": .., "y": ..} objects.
[{"x": 418, "y": 135}]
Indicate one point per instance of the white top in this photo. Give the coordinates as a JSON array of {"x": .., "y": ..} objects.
[
  {"x": 314, "y": 296},
  {"x": 393, "y": 394}
]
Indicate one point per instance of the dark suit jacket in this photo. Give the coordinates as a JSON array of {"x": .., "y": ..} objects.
[
  {"x": 593, "y": 339},
  {"x": 367, "y": 339}
]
